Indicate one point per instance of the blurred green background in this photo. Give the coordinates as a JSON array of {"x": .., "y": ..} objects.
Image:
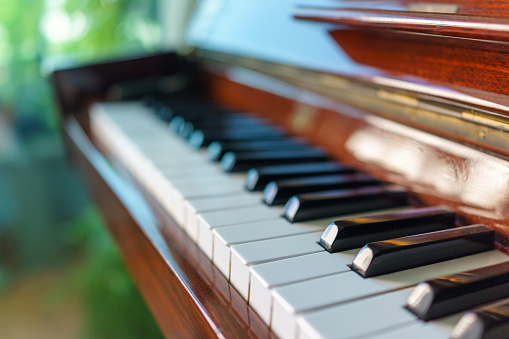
[{"x": 55, "y": 255}]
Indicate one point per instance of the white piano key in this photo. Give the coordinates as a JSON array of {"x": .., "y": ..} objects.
[
  {"x": 289, "y": 301},
  {"x": 206, "y": 187},
  {"x": 208, "y": 221},
  {"x": 225, "y": 237},
  {"x": 163, "y": 162},
  {"x": 265, "y": 277},
  {"x": 195, "y": 206},
  {"x": 183, "y": 172},
  {"x": 437, "y": 329},
  {"x": 363, "y": 318},
  {"x": 246, "y": 255}
]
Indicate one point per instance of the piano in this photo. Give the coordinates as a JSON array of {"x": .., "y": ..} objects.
[{"x": 308, "y": 169}]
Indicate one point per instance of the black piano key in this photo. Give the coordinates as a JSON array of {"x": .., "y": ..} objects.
[
  {"x": 178, "y": 122},
  {"x": 278, "y": 192},
  {"x": 347, "y": 234},
  {"x": 214, "y": 124},
  {"x": 243, "y": 161},
  {"x": 217, "y": 149},
  {"x": 258, "y": 178},
  {"x": 165, "y": 114},
  {"x": 399, "y": 254},
  {"x": 454, "y": 293},
  {"x": 201, "y": 138},
  {"x": 488, "y": 322},
  {"x": 318, "y": 205}
]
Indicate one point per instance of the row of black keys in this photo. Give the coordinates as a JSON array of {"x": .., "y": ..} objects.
[{"x": 313, "y": 186}]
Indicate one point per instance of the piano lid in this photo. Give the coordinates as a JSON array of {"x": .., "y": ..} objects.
[{"x": 444, "y": 57}]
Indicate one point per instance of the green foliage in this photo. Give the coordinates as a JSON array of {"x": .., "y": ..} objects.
[
  {"x": 112, "y": 304},
  {"x": 32, "y": 32}
]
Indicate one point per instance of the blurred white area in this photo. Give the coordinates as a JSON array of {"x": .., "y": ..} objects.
[{"x": 173, "y": 18}]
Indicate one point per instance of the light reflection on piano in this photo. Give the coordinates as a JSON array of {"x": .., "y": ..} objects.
[{"x": 401, "y": 118}]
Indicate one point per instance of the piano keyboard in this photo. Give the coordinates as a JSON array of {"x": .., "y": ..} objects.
[{"x": 298, "y": 288}]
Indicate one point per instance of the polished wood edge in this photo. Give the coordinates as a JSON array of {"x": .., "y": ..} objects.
[
  {"x": 437, "y": 24},
  {"x": 452, "y": 115},
  {"x": 186, "y": 293}
]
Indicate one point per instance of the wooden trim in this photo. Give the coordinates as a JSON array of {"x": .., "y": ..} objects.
[{"x": 439, "y": 24}]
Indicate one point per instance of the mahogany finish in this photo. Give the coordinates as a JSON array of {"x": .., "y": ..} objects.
[
  {"x": 436, "y": 170},
  {"x": 444, "y": 25},
  {"x": 446, "y": 58},
  {"x": 492, "y": 8},
  {"x": 187, "y": 295},
  {"x": 450, "y": 55}
]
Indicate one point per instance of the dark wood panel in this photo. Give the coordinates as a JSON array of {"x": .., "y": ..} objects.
[{"x": 76, "y": 87}]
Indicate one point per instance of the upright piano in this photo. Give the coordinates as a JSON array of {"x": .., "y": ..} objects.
[{"x": 308, "y": 169}]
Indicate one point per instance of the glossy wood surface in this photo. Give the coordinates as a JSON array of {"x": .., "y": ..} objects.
[
  {"x": 186, "y": 293},
  {"x": 467, "y": 69},
  {"x": 445, "y": 25},
  {"x": 437, "y": 171},
  {"x": 492, "y": 8}
]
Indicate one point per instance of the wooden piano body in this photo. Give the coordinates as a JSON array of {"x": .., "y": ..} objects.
[{"x": 411, "y": 92}]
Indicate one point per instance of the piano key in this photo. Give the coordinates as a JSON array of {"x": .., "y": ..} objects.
[
  {"x": 457, "y": 292},
  {"x": 299, "y": 254},
  {"x": 180, "y": 191},
  {"x": 310, "y": 206},
  {"x": 217, "y": 149},
  {"x": 196, "y": 206},
  {"x": 208, "y": 221},
  {"x": 206, "y": 113},
  {"x": 186, "y": 172},
  {"x": 201, "y": 138},
  {"x": 399, "y": 254},
  {"x": 438, "y": 329},
  {"x": 488, "y": 322},
  {"x": 164, "y": 113},
  {"x": 243, "y": 161},
  {"x": 267, "y": 276},
  {"x": 225, "y": 237},
  {"x": 364, "y": 318},
  {"x": 236, "y": 121},
  {"x": 257, "y": 178},
  {"x": 245, "y": 255},
  {"x": 178, "y": 122},
  {"x": 278, "y": 192},
  {"x": 351, "y": 233},
  {"x": 294, "y": 299}
]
